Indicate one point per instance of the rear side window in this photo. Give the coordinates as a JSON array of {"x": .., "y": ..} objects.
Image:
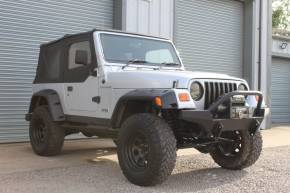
[
  {"x": 49, "y": 64},
  {"x": 79, "y": 46},
  {"x": 53, "y": 56}
]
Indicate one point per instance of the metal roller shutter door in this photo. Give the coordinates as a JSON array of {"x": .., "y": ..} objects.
[
  {"x": 24, "y": 25},
  {"x": 209, "y": 35},
  {"x": 280, "y": 107}
]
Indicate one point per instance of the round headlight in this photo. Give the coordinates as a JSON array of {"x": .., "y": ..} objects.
[
  {"x": 242, "y": 87},
  {"x": 196, "y": 91}
]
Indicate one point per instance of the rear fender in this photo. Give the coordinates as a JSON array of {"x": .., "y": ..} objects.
[{"x": 52, "y": 101}]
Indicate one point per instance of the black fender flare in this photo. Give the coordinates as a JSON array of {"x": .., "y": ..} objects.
[
  {"x": 53, "y": 102},
  {"x": 168, "y": 97}
]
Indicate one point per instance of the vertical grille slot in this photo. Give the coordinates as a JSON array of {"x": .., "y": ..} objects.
[
  {"x": 213, "y": 90},
  {"x": 231, "y": 88},
  {"x": 222, "y": 86},
  {"x": 226, "y": 87},
  {"x": 218, "y": 93},
  {"x": 235, "y": 87},
  {"x": 207, "y": 95}
]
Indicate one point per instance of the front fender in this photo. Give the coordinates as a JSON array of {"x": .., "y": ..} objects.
[{"x": 169, "y": 99}]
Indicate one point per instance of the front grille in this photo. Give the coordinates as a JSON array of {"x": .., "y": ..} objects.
[{"x": 213, "y": 90}]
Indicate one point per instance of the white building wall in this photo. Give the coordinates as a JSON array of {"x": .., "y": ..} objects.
[
  {"x": 266, "y": 57},
  {"x": 152, "y": 17},
  {"x": 256, "y": 44},
  {"x": 281, "y": 46}
]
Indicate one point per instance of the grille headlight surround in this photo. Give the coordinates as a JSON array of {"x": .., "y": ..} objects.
[
  {"x": 242, "y": 87},
  {"x": 196, "y": 91}
]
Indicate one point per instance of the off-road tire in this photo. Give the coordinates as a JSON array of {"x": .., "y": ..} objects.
[
  {"x": 46, "y": 137},
  {"x": 250, "y": 152},
  {"x": 161, "y": 144}
]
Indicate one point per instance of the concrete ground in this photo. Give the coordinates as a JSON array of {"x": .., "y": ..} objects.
[{"x": 91, "y": 166}]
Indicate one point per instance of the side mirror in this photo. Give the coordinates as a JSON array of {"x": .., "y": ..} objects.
[{"x": 82, "y": 57}]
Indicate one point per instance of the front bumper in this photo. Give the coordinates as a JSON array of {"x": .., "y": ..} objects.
[{"x": 210, "y": 121}]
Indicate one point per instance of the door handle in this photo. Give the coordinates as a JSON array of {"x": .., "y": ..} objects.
[
  {"x": 69, "y": 88},
  {"x": 96, "y": 99}
]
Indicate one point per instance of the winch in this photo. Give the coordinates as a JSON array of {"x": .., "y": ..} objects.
[{"x": 238, "y": 108}]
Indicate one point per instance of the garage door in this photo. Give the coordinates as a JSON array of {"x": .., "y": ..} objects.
[
  {"x": 209, "y": 35},
  {"x": 280, "y": 107},
  {"x": 24, "y": 25}
]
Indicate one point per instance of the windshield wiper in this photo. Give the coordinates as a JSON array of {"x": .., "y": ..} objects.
[
  {"x": 134, "y": 61},
  {"x": 170, "y": 64},
  {"x": 137, "y": 61}
]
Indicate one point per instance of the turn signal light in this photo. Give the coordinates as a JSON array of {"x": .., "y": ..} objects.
[
  {"x": 183, "y": 97},
  {"x": 158, "y": 101}
]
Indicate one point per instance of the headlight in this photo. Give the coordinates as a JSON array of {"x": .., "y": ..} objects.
[
  {"x": 242, "y": 87},
  {"x": 196, "y": 91}
]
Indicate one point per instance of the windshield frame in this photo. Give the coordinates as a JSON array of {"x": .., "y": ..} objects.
[{"x": 121, "y": 64}]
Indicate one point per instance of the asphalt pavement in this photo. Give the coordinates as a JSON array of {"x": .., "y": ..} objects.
[{"x": 91, "y": 166}]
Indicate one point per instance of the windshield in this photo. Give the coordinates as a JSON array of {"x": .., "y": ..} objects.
[{"x": 126, "y": 49}]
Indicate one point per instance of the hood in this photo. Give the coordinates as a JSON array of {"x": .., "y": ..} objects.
[{"x": 134, "y": 79}]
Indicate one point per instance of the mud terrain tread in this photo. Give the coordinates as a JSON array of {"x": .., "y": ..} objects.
[
  {"x": 255, "y": 151},
  {"x": 162, "y": 138},
  {"x": 251, "y": 153},
  {"x": 54, "y": 138}
]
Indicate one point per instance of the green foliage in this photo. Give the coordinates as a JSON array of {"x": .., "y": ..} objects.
[
  {"x": 277, "y": 17},
  {"x": 281, "y": 15}
]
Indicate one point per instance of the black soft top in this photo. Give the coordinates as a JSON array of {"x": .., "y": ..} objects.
[
  {"x": 52, "y": 62},
  {"x": 94, "y": 30}
]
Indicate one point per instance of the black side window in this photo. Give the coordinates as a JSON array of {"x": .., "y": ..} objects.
[
  {"x": 80, "y": 59},
  {"x": 53, "y": 63},
  {"x": 78, "y": 53},
  {"x": 49, "y": 68}
]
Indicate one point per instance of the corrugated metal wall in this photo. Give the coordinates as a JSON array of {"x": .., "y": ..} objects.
[
  {"x": 280, "y": 107},
  {"x": 209, "y": 35},
  {"x": 24, "y": 25},
  {"x": 149, "y": 17}
]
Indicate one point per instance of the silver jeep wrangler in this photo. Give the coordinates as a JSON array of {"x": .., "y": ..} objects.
[{"x": 134, "y": 89}]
